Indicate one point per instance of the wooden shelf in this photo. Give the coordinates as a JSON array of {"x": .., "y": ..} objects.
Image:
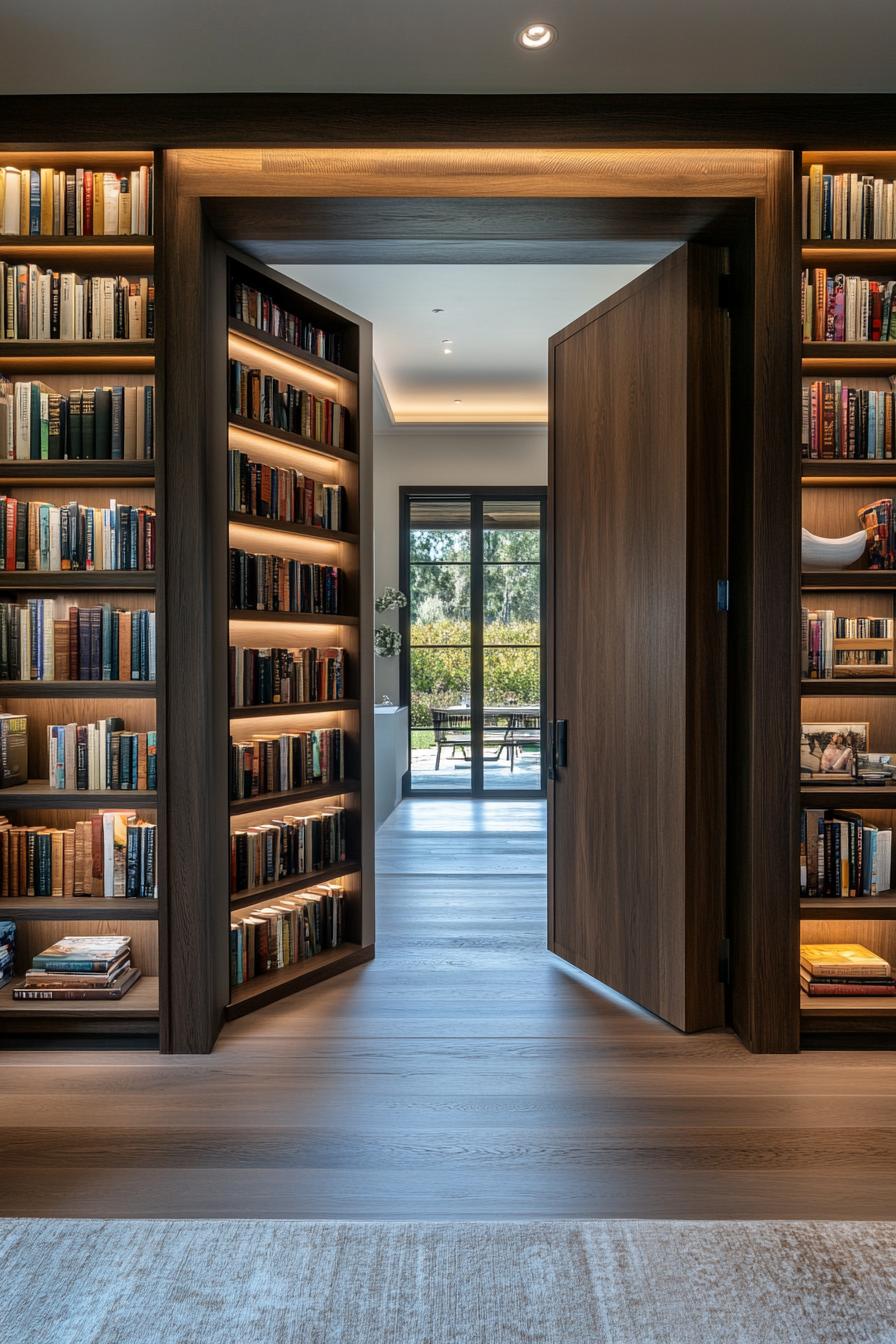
[
  {"x": 883, "y": 247},
  {"x": 285, "y": 436},
  {"x": 292, "y": 529},
  {"x": 48, "y": 352},
  {"x": 74, "y": 690},
  {"x": 275, "y": 985},
  {"x": 862, "y": 350},
  {"x": 78, "y": 907},
  {"x": 269, "y": 891},
  {"x": 263, "y": 802},
  {"x": 287, "y": 350},
  {"x": 80, "y": 580},
  {"x": 869, "y": 580},
  {"x": 293, "y": 617},
  {"x": 848, "y": 686},
  {"x": 831, "y": 1014},
  {"x": 848, "y": 471},
  {"x": 848, "y": 795},
  {"x": 37, "y": 793},
  {"x": 282, "y": 711},
  {"x": 80, "y": 471},
  {"x": 861, "y": 907},
  {"x": 65, "y": 242},
  {"x": 140, "y": 1003}
]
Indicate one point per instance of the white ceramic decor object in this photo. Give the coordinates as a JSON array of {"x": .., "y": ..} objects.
[{"x": 832, "y": 552}]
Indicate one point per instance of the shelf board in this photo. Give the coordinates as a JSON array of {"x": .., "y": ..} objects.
[
  {"x": 287, "y": 350},
  {"x": 883, "y": 246},
  {"x": 79, "y": 580},
  {"x": 285, "y": 436},
  {"x": 263, "y": 802},
  {"x": 141, "y": 1003},
  {"x": 241, "y": 900},
  {"x": 75, "y": 690},
  {"x": 871, "y": 580},
  {"x": 281, "y": 711},
  {"x": 277, "y": 984},
  {"x": 848, "y": 795},
  {"x": 294, "y": 617},
  {"x": 849, "y": 350},
  {"x": 848, "y": 686},
  {"x": 291, "y": 529},
  {"x": 65, "y": 242},
  {"x": 48, "y": 350},
  {"x": 37, "y": 793},
  {"x": 78, "y": 907},
  {"x": 80, "y": 471},
  {"x": 861, "y": 907},
  {"x": 848, "y": 471}
]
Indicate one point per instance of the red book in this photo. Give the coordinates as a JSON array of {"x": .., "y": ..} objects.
[{"x": 849, "y": 991}]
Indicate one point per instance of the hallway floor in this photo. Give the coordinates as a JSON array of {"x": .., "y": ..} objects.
[{"x": 465, "y": 1073}]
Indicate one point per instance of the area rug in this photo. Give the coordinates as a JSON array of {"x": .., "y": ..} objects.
[{"x": 258, "y": 1282}]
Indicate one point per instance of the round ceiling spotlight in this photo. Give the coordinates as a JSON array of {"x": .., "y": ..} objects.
[{"x": 536, "y": 36}]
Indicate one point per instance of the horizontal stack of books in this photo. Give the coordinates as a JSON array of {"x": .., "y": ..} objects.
[
  {"x": 85, "y": 644},
  {"x": 108, "y": 423},
  {"x": 7, "y": 951},
  {"x": 76, "y": 202},
  {"x": 54, "y": 538},
  {"x": 842, "y": 855},
  {"x": 278, "y": 583},
  {"x": 282, "y": 493},
  {"x": 111, "y": 855},
  {"x": 286, "y": 847},
  {"x": 822, "y": 659},
  {"x": 291, "y": 930},
  {"x": 842, "y": 421},
  {"x": 844, "y": 970},
  {"x": 259, "y": 396},
  {"x": 283, "y": 676},
  {"x": 275, "y": 762},
  {"x": 847, "y": 205},
  {"x": 100, "y": 755},
  {"x": 846, "y": 307},
  {"x": 259, "y": 310},
  {"x": 37, "y": 305},
  {"x": 81, "y": 967}
]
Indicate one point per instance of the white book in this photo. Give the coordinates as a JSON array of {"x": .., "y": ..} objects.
[
  {"x": 44, "y": 291},
  {"x": 70, "y": 748},
  {"x": 80, "y": 322},
  {"x": 23, "y": 420},
  {"x": 49, "y": 640},
  {"x": 55, "y": 545},
  {"x": 12, "y": 201},
  {"x": 144, "y": 196},
  {"x": 108, "y": 301},
  {"x": 34, "y": 274},
  {"x": 135, "y": 324},
  {"x": 108, "y": 855},
  {"x": 884, "y": 859},
  {"x": 67, "y": 306},
  {"x": 44, "y": 416},
  {"x": 111, "y": 192}
]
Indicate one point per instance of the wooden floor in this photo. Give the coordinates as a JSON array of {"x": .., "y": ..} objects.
[{"x": 464, "y": 1073}]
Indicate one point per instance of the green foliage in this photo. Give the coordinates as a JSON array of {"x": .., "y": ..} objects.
[{"x": 441, "y": 676}]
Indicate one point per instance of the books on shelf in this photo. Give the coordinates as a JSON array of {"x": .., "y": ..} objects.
[
  {"x": 260, "y": 310},
  {"x": 13, "y": 750},
  {"x": 45, "y": 640},
  {"x": 844, "y": 969},
  {"x": 832, "y": 645},
  {"x": 79, "y": 967},
  {"x": 76, "y": 202},
  {"x": 292, "y": 929},
  {"x": 288, "y": 846},
  {"x": 281, "y": 676},
  {"x": 101, "y": 756},
  {"x": 279, "y": 762},
  {"x": 261, "y": 582},
  {"x": 38, "y": 424},
  {"x": 847, "y": 205},
  {"x": 840, "y": 420},
  {"x": 7, "y": 951},
  {"x": 846, "y": 307},
  {"x": 39, "y": 305},
  {"x": 270, "y": 401},
  {"x": 842, "y": 855},
  {"x": 53, "y": 539},
  {"x": 110, "y": 855},
  {"x": 283, "y": 494}
]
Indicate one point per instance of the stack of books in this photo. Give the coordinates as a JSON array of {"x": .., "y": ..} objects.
[
  {"x": 291, "y": 930},
  {"x": 259, "y": 310},
  {"x": 100, "y": 755},
  {"x": 7, "y": 951},
  {"x": 284, "y": 676},
  {"x": 81, "y": 967},
  {"x": 43, "y": 639},
  {"x": 110, "y": 855},
  {"x": 259, "y": 396},
  {"x": 844, "y": 970},
  {"x": 76, "y": 202},
  {"x": 842, "y": 856}
]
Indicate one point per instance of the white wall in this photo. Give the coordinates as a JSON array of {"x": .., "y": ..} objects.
[{"x": 486, "y": 457}]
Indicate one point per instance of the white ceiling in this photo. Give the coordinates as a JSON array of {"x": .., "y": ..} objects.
[
  {"x": 499, "y": 319},
  {"x": 466, "y": 46}
]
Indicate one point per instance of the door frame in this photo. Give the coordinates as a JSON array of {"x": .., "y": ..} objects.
[{"x": 477, "y": 494}]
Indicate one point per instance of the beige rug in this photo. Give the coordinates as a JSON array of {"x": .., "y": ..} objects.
[{"x": 253, "y": 1282}]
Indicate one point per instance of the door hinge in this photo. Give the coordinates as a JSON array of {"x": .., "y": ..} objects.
[
  {"x": 726, "y": 292},
  {"x": 723, "y": 595},
  {"x": 725, "y": 961}
]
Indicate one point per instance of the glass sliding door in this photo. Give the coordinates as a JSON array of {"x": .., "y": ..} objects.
[{"x": 472, "y": 563}]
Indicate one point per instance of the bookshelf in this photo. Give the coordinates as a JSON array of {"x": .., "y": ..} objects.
[
  {"x": 66, "y": 365},
  {"x": 348, "y": 547},
  {"x": 832, "y": 490}
]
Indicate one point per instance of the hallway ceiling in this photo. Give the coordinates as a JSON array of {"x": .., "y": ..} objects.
[
  {"x": 409, "y": 46},
  {"x": 497, "y": 318}
]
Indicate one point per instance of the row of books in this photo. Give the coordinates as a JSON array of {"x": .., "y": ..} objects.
[
  {"x": 90, "y": 644},
  {"x": 7, "y": 951},
  {"x": 283, "y": 493},
  {"x": 847, "y": 970},
  {"x": 75, "y": 202},
  {"x": 38, "y": 305},
  {"x": 877, "y": 520},
  {"x": 81, "y": 967},
  {"x": 261, "y": 582},
  {"x": 847, "y": 205},
  {"x": 820, "y": 629},
  {"x": 291, "y": 930},
  {"x": 282, "y": 676},
  {"x": 842, "y": 855},
  {"x": 270, "y": 401},
  {"x": 53, "y": 539},
  {"x": 288, "y": 846},
  {"x": 110, "y": 423},
  {"x": 111, "y": 855},
  {"x": 842, "y": 421},
  {"x": 277, "y": 762},
  {"x": 846, "y": 307},
  {"x": 259, "y": 310},
  {"x": 100, "y": 755}
]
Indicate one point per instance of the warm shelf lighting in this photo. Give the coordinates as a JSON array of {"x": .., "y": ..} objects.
[
  {"x": 536, "y": 36},
  {"x": 291, "y": 370}
]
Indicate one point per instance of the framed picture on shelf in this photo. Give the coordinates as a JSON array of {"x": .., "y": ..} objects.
[{"x": 829, "y": 752}]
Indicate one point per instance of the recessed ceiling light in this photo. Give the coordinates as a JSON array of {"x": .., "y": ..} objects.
[
  {"x": 446, "y": 350},
  {"x": 536, "y": 35},
  {"x": 447, "y": 340},
  {"x": 438, "y": 310},
  {"x": 458, "y": 400}
]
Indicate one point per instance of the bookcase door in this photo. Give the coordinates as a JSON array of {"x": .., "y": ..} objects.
[{"x": 638, "y": 509}]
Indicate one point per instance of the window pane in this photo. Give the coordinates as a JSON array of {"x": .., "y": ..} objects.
[
  {"x": 512, "y": 602},
  {"x": 440, "y": 604},
  {"x": 512, "y": 719},
  {"x": 440, "y": 718},
  {"x": 440, "y": 544}
]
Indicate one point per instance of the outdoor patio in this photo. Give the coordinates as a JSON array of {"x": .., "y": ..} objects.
[{"x": 454, "y": 772}]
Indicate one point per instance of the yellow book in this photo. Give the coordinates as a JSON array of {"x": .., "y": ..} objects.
[
  {"x": 46, "y": 200},
  {"x": 25, "y": 201},
  {"x": 850, "y": 959},
  {"x": 98, "y": 181}
]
